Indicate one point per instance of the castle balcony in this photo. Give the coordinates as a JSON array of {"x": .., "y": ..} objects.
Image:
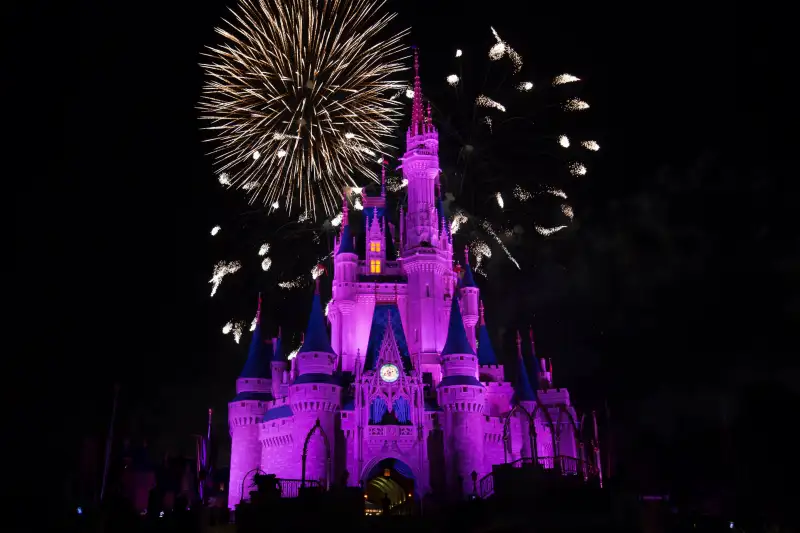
[
  {"x": 526, "y": 470},
  {"x": 405, "y": 431}
]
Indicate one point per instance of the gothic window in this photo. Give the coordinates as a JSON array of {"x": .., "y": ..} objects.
[
  {"x": 375, "y": 266},
  {"x": 375, "y": 246},
  {"x": 427, "y": 291}
]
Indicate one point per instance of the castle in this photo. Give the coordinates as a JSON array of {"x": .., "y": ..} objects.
[{"x": 401, "y": 390}]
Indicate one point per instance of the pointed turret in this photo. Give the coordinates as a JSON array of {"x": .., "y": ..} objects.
[
  {"x": 346, "y": 236},
  {"x": 417, "y": 118},
  {"x": 260, "y": 353},
  {"x": 467, "y": 280},
  {"x": 486, "y": 355},
  {"x": 316, "y": 337},
  {"x": 279, "y": 367},
  {"x": 457, "y": 342},
  {"x": 523, "y": 392}
]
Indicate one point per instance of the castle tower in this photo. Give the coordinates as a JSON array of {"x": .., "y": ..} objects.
[
  {"x": 470, "y": 298},
  {"x": 426, "y": 259},
  {"x": 245, "y": 411},
  {"x": 489, "y": 370},
  {"x": 461, "y": 396},
  {"x": 315, "y": 395},
  {"x": 280, "y": 369},
  {"x": 345, "y": 274},
  {"x": 524, "y": 395}
]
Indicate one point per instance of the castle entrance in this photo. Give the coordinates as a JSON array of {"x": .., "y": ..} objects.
[{"x": 390, "y": 478}]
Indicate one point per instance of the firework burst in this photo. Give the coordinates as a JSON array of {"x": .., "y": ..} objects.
[
  {"x": 298, "y": 98},
  {"x": 495, "y": 118}
]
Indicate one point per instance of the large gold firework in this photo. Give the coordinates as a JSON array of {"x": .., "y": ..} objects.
[{"x": 298, "y": 98}]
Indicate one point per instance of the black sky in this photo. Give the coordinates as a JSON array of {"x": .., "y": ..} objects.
[{"x": 673, "y": 289}]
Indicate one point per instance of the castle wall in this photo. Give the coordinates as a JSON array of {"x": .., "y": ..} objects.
[{"x": 245, "y": 448}]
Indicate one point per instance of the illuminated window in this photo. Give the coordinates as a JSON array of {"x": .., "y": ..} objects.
[
  {"x": 375, "y": 247},
  {"x": 375, "y": 266}
]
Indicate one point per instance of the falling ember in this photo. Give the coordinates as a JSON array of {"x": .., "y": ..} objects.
[
  {"x": 488, "y": 229},
  {"x": 548, "y": 231},
  {"x": 237, "y": 331},
  {"x": 294, "y": 284},
  {"x": 409, "y": 93},
  {"x": 561, "y": 79},
  {"x": 499, "y": 198},
  {"x": 224, "y": 179},
  {"x": 266, "y": 264},
  {"x": 525, "y": 86},
  {"x": 563, "y": 140},
  {"x": 327, "y": 307},
  {"x": 303, "y": 217},
  {"x": 488, "y": 122},
  {"x": 521, "y": 194},
  {"x": 276, "y": 204},
  {"x": 253, "y": 323},
  {"x": 357, "y": 205},
  {"x": 590, "y": 145},
  {"x": 293, "y": 353},
  {"x": 577, "y": 169},
  {"x": 256, "y": 155},
  {"x": 497, "y": 51},
  {"x": 557, "y": 192},
  {"x": 575, "y": 104},
  {"x": 567, "y": 210},
  {"x": 485, "y": 101},
  {"x": 221, "y": 270},
  {"x": 215, "y": 230},
  {"x": 281, "y": 153},
  {"x": 249, "y": 185},
  {"x": 335, "y": 221},
  {"x": 502, "y": 48},
  {"x": 227, "y": 328},
  {"x": 395, "y": 184},
  {"x": 458, "y": 219},
  {"x": 317, "y": 271},
  {"x": 264, "y": 250},
  {"x": 459, "y": 53},
  {"x": 452, "y": 79}
]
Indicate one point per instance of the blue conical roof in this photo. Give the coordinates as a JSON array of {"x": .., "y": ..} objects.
[
  {"x": 316, "y": 339},
  {"x": 523, "y": 392},
  {"x": 277, "y": 351},
  {"x": 467, "y": 280},
  {"x": 260, "y": 354},
  {"x": 385, "y": 315},
  {"x": 486, "y": 355},
  {"x": 457, "y": 342},
  {"x": 346, "y": 243}
]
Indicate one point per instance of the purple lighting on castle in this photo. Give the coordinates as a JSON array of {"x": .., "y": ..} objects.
[{"x": 401, "y": 363}]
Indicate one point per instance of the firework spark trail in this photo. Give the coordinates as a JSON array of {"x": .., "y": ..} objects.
[
  {"x": 591, "y": 145},
  {"x": 221, "y": 270},
  {"x": 575, "y": 104},
  {"x": 215, "y": 230},
  {"x": 521, "y": 194},
  {"x": 290, "y": 80},
  {"x": 296, "y": 283},
  {"x": 488, "y": 229},
  {"x": 548, "y": 231},
  {"x": 485, "y": 101},
  {"x": 452, "y": 80},
  {"x": 567, "y": 210},
  {"x": 266, "y": 264},
  {"x": 458, "y": 219},
  {"x": 561, "y": 79},
  {"x": 577, "y": 169},
  {"x": 264, "y": 249},
  {"x": 502, "y": 48},
  {"x": 563, "y": 140},
  {"x": 499, "y": 198}
]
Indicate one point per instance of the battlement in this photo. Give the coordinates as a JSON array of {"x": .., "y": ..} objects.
[
  {"x": 253, "y": 385},
  {"x": 315, "y": 363},
  {"x": 498, "y": 387},
  {"x": 277, "y": 403},
  {"x": 459, "y": 365},
  {"x": 461, "y": 398},
  {"x": 493, "y": 375},
  {"x": 554, "y": 396}
]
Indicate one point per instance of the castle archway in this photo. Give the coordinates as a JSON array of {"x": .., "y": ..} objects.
[{"x": 388, "y": 477}]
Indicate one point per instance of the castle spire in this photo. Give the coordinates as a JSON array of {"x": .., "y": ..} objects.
[
  {"x": 346, "y": 236},
  {"x": 316, "y": 336},
  {"x": 260, "y": 353},
  {"x": 467, "y": 280},
  {"x": 457, "y": 342},
  {"x": 383, "y": 177},
  {"x": 523, "y": 392},
  {"x": 417, "y": 119},
  {"x": 486, "y": 355}
]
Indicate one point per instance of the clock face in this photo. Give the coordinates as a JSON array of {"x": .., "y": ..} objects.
[{"x": 389, "y": 373}]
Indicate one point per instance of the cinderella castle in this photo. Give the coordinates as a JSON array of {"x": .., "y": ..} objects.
[{"x": 406, "y": 397}]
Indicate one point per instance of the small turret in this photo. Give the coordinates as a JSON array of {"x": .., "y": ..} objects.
[
  {"x": 538, "y": 371},
  {"x": 255, "y": 380},
  {"x": 279, "y": 367},
  {"x": 461, "y": 396},
  {"x": 490, "y": 370},
  {"x": 470, "y": 296}
]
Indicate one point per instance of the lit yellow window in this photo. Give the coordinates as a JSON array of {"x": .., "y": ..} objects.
[
  {"x": 375, "y": 247},
  {"x": 375, "y": 266}
]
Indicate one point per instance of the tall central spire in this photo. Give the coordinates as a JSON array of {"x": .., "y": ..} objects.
[{"x": 417, "y": 115}]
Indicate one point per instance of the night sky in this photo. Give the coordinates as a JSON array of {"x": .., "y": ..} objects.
[{"x": 672, "y": 300}]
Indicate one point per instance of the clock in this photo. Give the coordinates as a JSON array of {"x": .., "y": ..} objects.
[{"x": 389, "y": 373}]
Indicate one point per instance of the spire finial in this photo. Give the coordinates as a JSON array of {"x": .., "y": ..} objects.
[
  {"x": 279, "y": 332},
  {"x": 466, "y": 255},
  {"x": 383, "y": 177},
  {"x": 316, "y": 288},
  {"x": 416, "y": 113},
  {"x": 519, "y": 345},
  {"x": 258, "y": 309},
  {"x": 483, "y": 321},
  {"x": 345, "y": 214},
  {"x": 533, "y": 344}
]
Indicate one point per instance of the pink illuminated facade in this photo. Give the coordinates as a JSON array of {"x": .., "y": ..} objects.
[{"x": 407, "y": 379}]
